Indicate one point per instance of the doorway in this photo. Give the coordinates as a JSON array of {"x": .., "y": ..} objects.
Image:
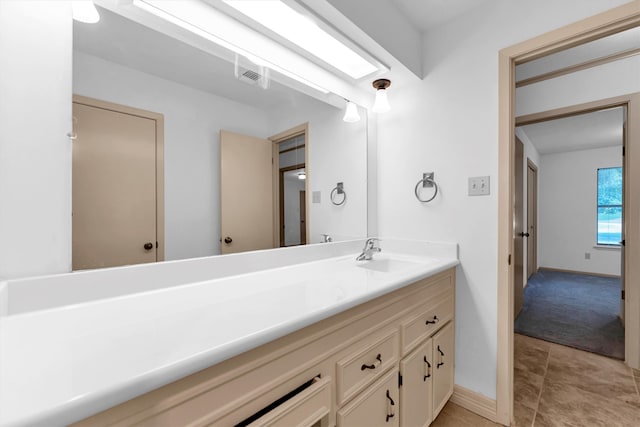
[
  {"x": 291, "y": 177},
  {"x": 117, "y": 185},
  {"x": 574, "y": 299},
  {"x": 604, "y": 24}
]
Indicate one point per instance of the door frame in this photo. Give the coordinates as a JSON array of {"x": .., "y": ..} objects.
[
  {"x": 532, "y": 255},
  {"x": 277, "y": 139},
  {"x": 159, "y": 125},
  {"x": 600, "y": 25},
  {"x": 280, "y": 209}
]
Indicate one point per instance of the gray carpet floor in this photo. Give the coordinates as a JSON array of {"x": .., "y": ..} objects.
[{"x": 576, "y": 310}]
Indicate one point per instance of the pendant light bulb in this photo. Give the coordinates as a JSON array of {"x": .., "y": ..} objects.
[
  {"x": 381, "y": 104},
  {"x": 351, "y": 113},
  {"x": 85, "y": 11}
]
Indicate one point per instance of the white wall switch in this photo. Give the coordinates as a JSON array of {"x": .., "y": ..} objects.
[
  {"x": 315, "y": 197},
  {"x": 479, "y": 186}
]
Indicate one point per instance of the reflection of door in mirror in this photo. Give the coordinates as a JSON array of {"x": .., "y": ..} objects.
[
  {"x": 246, "y": 193},
  {"x": 292, "y": 186},
  {"x": 114, "y": 185}
]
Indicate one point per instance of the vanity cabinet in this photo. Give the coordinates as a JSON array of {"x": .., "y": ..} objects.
[{"x": 387, "y": 362}]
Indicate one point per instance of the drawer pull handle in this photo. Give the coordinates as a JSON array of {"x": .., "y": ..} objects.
[
  {"x": 441, "y": 358},
  {"x": 428, "y": 369},
  {"x": 374, "y": 365},
  {"x": 434, "y": 321},
  {"x": 390, "y": 405}
]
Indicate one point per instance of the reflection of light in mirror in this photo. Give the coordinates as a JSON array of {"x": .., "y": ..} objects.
[
  {"x": 351, "y": 113},
  {"x": 302, "y": 31},
  {"x": 186, "y": 14}
]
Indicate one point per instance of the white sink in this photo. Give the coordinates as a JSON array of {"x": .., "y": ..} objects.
[{"x": 387, "y": 265}]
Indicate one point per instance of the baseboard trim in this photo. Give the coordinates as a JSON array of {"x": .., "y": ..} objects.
[
  {"x": 561, "y": 270},
  {"x": 475, "y": 402}
]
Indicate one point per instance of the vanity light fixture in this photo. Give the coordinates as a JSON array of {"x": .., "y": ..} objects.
[
  {"x": 207, "y": 22},
  {"x": 381, "y": 104},
  {"x": 351, "y": 113},
  {"x": 84, "y": 11},
  {"x": 302, "y": 31}
]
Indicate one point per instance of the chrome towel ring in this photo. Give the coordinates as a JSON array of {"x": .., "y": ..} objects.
[
  {"x": 339, "y": 189},
  {"x": 427, "y": 182}
]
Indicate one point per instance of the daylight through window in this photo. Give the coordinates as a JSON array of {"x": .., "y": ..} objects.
[{"x": 609, "y": 206}]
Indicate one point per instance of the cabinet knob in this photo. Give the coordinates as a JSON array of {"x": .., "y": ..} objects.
[
  {"x": 441, "y": 358},
  {"x": 228, "y": 240},
  {"x": 434, "y": 321},
  {"x": 390, "y": 404},
  {"x": 374, "y": 365},
  {"x": 148, "y": 246},
  {"x": 427, "y": 369}
]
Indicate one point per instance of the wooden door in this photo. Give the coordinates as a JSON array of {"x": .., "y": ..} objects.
[
  {"x": 518, "y": 234},
  {"x": 246, "y": 193},
  {"x": 443, "y": 357},
  {"x": 113, "y": 188},
  {"x": 303, "y": 218},
  {"x": 416, "y": 397},
  {"x": 532, "y": 218}
]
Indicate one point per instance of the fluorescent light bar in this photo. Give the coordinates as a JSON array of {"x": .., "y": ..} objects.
[
  {"x": 192, "y": 16},
  {"x": 300, "y": 30}
]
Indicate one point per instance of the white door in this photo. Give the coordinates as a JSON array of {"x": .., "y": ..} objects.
[{"x": 246, "y": 194}]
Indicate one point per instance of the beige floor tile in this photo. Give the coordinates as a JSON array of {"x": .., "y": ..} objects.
[
  {"x": 523, "y": 415},
  {"x": 530, "y": 354},
  {"x": 453, "y": 415},
  {"x": 526, "y": 387},
  {"x": 565, "y": 405},
  {"x": 591, "y": 372}
]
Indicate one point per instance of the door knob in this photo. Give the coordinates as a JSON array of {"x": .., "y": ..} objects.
[
  {"x": 524, "y": 234},
  {"x": 148, "y": 246},
  {"x": 228, "y": 240}
]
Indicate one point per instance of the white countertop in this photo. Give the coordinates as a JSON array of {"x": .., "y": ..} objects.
[{"x": 61, "y": 364}]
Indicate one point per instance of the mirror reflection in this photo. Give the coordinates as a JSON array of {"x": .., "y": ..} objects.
[{"x": 142, "y": 94}]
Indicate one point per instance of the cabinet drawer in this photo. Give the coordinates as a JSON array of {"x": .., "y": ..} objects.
[
  {"x": 376, "y": 406},
  {"x": 302, "y": 410},
  {"x": 426, "y": 323},
  {"x": 365, "y": 365}
]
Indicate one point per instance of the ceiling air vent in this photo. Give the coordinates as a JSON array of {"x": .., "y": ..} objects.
[{"x": 251, "y": 73}]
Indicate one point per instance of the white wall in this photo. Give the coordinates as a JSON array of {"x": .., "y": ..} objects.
[
  {"x": 448, "y": 124},
  {"x": 567, "y": 211},
  {"x": 605, "y": 81},
  {"x": 193, "y": 120},
  {"x": 35, "y": 152},
  {"x": 337, "y": 153}
]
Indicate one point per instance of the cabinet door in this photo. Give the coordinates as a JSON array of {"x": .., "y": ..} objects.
[
  {"x": 376, "y": 406},
  {"x": 443, "y": 357},
  {"x": 416, "y": 397}
]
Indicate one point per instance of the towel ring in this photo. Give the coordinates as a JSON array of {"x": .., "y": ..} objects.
[
  {"x": 426, "y": 179},
  {"x": 339, "y": 189}
]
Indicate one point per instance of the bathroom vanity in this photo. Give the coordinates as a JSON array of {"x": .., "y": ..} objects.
[{"x": 329, "y": 341}]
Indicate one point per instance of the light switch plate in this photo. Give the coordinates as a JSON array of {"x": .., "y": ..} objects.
[
  {"x": 315, "y": 197},
  {"x": 479, "y": 186}
]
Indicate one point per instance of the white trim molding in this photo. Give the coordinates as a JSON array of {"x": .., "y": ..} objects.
[{"x": 475, "y": 402}]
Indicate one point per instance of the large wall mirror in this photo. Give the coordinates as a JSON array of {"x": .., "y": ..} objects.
[{"x": 196, "y": 108}]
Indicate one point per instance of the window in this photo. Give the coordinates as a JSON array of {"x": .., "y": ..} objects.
[{"x": 609, "y": 206}]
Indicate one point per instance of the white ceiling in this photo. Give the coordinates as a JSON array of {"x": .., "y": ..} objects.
[
  {"x": 426, "y": 14},
  {"x": 586, "y": 131}
]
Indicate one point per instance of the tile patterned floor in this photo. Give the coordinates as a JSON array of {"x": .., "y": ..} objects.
[{"x": 556, "y": 386}]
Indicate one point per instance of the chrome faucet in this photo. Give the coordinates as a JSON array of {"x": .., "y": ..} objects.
[{"x": 369, "y": 249}]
